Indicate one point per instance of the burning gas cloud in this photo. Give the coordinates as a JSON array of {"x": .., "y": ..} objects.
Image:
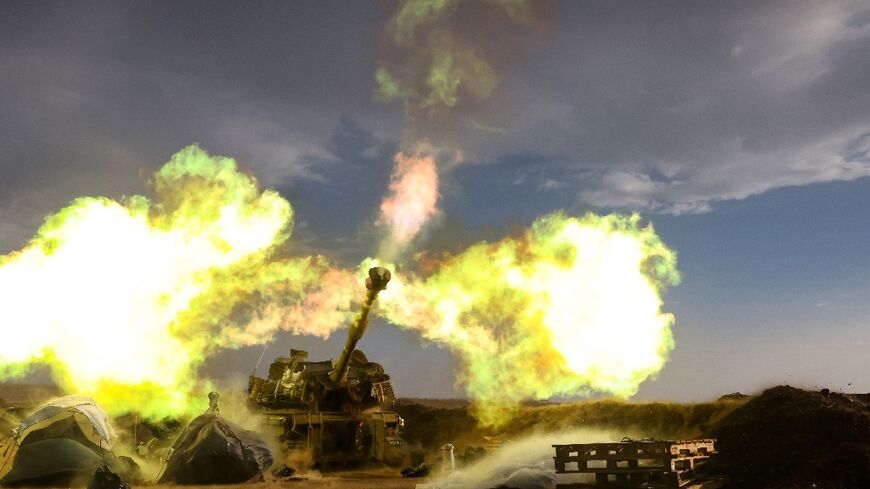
[
  {"x": 125, "y": 299},
  {"x": 570, "y": 307}
]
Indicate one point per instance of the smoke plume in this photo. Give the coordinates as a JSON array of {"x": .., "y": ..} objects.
[{"x": 438, "y": 53}]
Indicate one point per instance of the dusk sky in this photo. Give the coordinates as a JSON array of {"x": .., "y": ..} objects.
[{"x": 740, "y": 130}]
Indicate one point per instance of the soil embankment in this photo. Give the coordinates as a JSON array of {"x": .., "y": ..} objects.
[{"x": 789, "y": 438}]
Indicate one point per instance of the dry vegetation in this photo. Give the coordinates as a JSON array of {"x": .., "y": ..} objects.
[{"x": 428, "y": 425}]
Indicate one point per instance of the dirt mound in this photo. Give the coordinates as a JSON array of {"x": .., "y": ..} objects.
[{"x": 789, "y": 438}]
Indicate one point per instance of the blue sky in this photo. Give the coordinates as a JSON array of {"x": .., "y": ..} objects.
[
  {"x": 740, "y": 130},
  {"x": 775, "y": 290}
]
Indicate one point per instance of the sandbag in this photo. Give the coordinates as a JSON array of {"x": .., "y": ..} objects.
[{"x": 212, "y": 450}]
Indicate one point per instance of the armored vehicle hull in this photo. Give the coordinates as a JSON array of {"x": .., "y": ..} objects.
[{"x": 338, "y": 412}]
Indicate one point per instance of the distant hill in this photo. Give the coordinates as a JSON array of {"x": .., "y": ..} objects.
[{"x": 431, "y": 423}]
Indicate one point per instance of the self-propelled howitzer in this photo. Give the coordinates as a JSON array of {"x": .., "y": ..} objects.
[
  {"x": 341, "y": 411},
  {"x": 377, "y": 281}
]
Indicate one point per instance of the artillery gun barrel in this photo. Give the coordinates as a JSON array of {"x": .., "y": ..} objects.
[{"x": 375, "y": 283}]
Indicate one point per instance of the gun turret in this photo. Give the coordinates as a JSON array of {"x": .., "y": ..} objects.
[{"x": 377, "y": 281}]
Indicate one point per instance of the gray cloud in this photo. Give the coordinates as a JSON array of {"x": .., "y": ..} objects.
[
  {"x": 95, "y": 96},
  {"x": 665, "y": 106},
  {"x": 671, "y": 106}
]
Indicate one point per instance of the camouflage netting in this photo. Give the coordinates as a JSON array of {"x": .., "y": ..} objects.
[{"x": 212, "y": 450}]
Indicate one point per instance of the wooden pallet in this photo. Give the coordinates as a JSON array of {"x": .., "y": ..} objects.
[
  {"x": 630, "y": 463},
  {"x": 8, "y": 450}
]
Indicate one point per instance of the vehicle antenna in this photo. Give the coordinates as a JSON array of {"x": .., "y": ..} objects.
[{"x": 265, "y": 347}]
